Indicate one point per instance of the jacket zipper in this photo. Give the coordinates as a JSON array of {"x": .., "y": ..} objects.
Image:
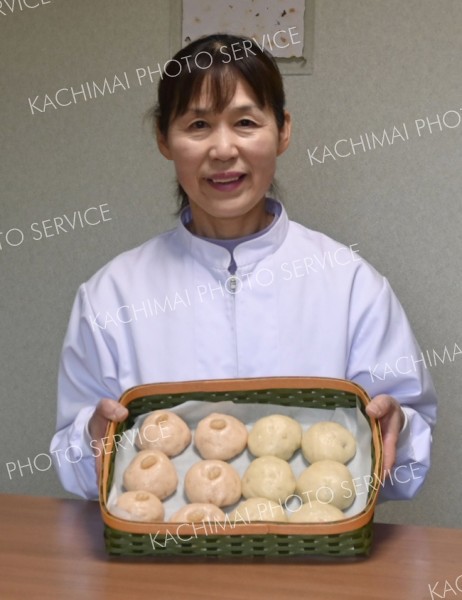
[{"x": 231, "y": 284}]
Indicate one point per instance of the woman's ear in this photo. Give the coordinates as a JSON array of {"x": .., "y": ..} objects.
[
  {"x": 284, "y": 134},
  {"x": 162, "y": 144}
]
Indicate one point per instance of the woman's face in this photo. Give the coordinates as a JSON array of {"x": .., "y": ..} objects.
[{"x": 225, "y": 161}]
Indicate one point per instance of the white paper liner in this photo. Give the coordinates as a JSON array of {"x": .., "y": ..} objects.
[{"x": 194, "y": 410}]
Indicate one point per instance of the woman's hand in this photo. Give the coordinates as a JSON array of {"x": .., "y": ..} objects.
[
  {"x": 106, "y": 410},
  {"x": 391, "y": 418}
]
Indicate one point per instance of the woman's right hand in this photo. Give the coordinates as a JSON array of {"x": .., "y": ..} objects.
[{"x": 106, "y": 410}]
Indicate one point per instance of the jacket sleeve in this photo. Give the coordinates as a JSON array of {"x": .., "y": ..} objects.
[
  {"x": 87, "y": 373},
  {"x": 385, "y": 358}
]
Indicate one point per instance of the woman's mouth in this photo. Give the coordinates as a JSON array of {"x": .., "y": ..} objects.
[{"x": 226, "y": 182}]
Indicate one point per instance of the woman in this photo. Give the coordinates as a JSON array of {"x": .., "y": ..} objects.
[{"x": 236, "y": 289}]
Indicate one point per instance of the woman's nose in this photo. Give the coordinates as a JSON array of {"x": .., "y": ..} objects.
[{"x": 223, "y": 144}]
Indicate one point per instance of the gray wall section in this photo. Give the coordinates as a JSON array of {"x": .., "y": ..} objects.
[{"x": 377, "y": 64}]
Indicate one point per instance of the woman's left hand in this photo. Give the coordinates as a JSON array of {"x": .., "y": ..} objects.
[{"x": 391, "y": 418}]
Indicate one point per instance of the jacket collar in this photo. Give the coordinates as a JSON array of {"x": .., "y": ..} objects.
[{"x": 246, "y": 253}]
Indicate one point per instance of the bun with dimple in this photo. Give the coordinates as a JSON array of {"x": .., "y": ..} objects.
[
  {"x": 165, "y": 431},
  {"x": 198, "y": 512},
  {"x": 139, "y": 506},
  {"x": 151, "y": 471},
  {"x": 212, "y": 481},
  {"x": 220, "y": 436}
]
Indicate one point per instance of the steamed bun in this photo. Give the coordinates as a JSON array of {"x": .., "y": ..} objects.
[
  {"x": 327, "y": 440},
  {"x": 151, "y": 471},
  {"x": 139, "y": 506},
  {"x": 268, "y": 477},
  {"x": 327, "y": 481},
  {"x": 220, "y": 436},
  {"x": 277, "y": 435},
  {"x": 198, "y": 512},
  {"x": 316, "y": 512},
  {"x": 165, "y": 431},
  {"x": 258, "y": 509},
  {"x": 212, "y": 481}
]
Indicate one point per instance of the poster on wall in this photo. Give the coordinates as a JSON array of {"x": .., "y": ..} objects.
[{"x": 278, "y": 26}]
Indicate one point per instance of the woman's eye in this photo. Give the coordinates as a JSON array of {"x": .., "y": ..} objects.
[
  {"x": 198, "y": 125},
  {"x": 246, "y": 123}
]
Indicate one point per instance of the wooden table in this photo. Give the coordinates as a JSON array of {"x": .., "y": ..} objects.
[{"x": 53, "y": 550}]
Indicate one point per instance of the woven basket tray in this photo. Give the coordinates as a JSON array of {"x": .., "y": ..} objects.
[{"x": 350, "y": 537}]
